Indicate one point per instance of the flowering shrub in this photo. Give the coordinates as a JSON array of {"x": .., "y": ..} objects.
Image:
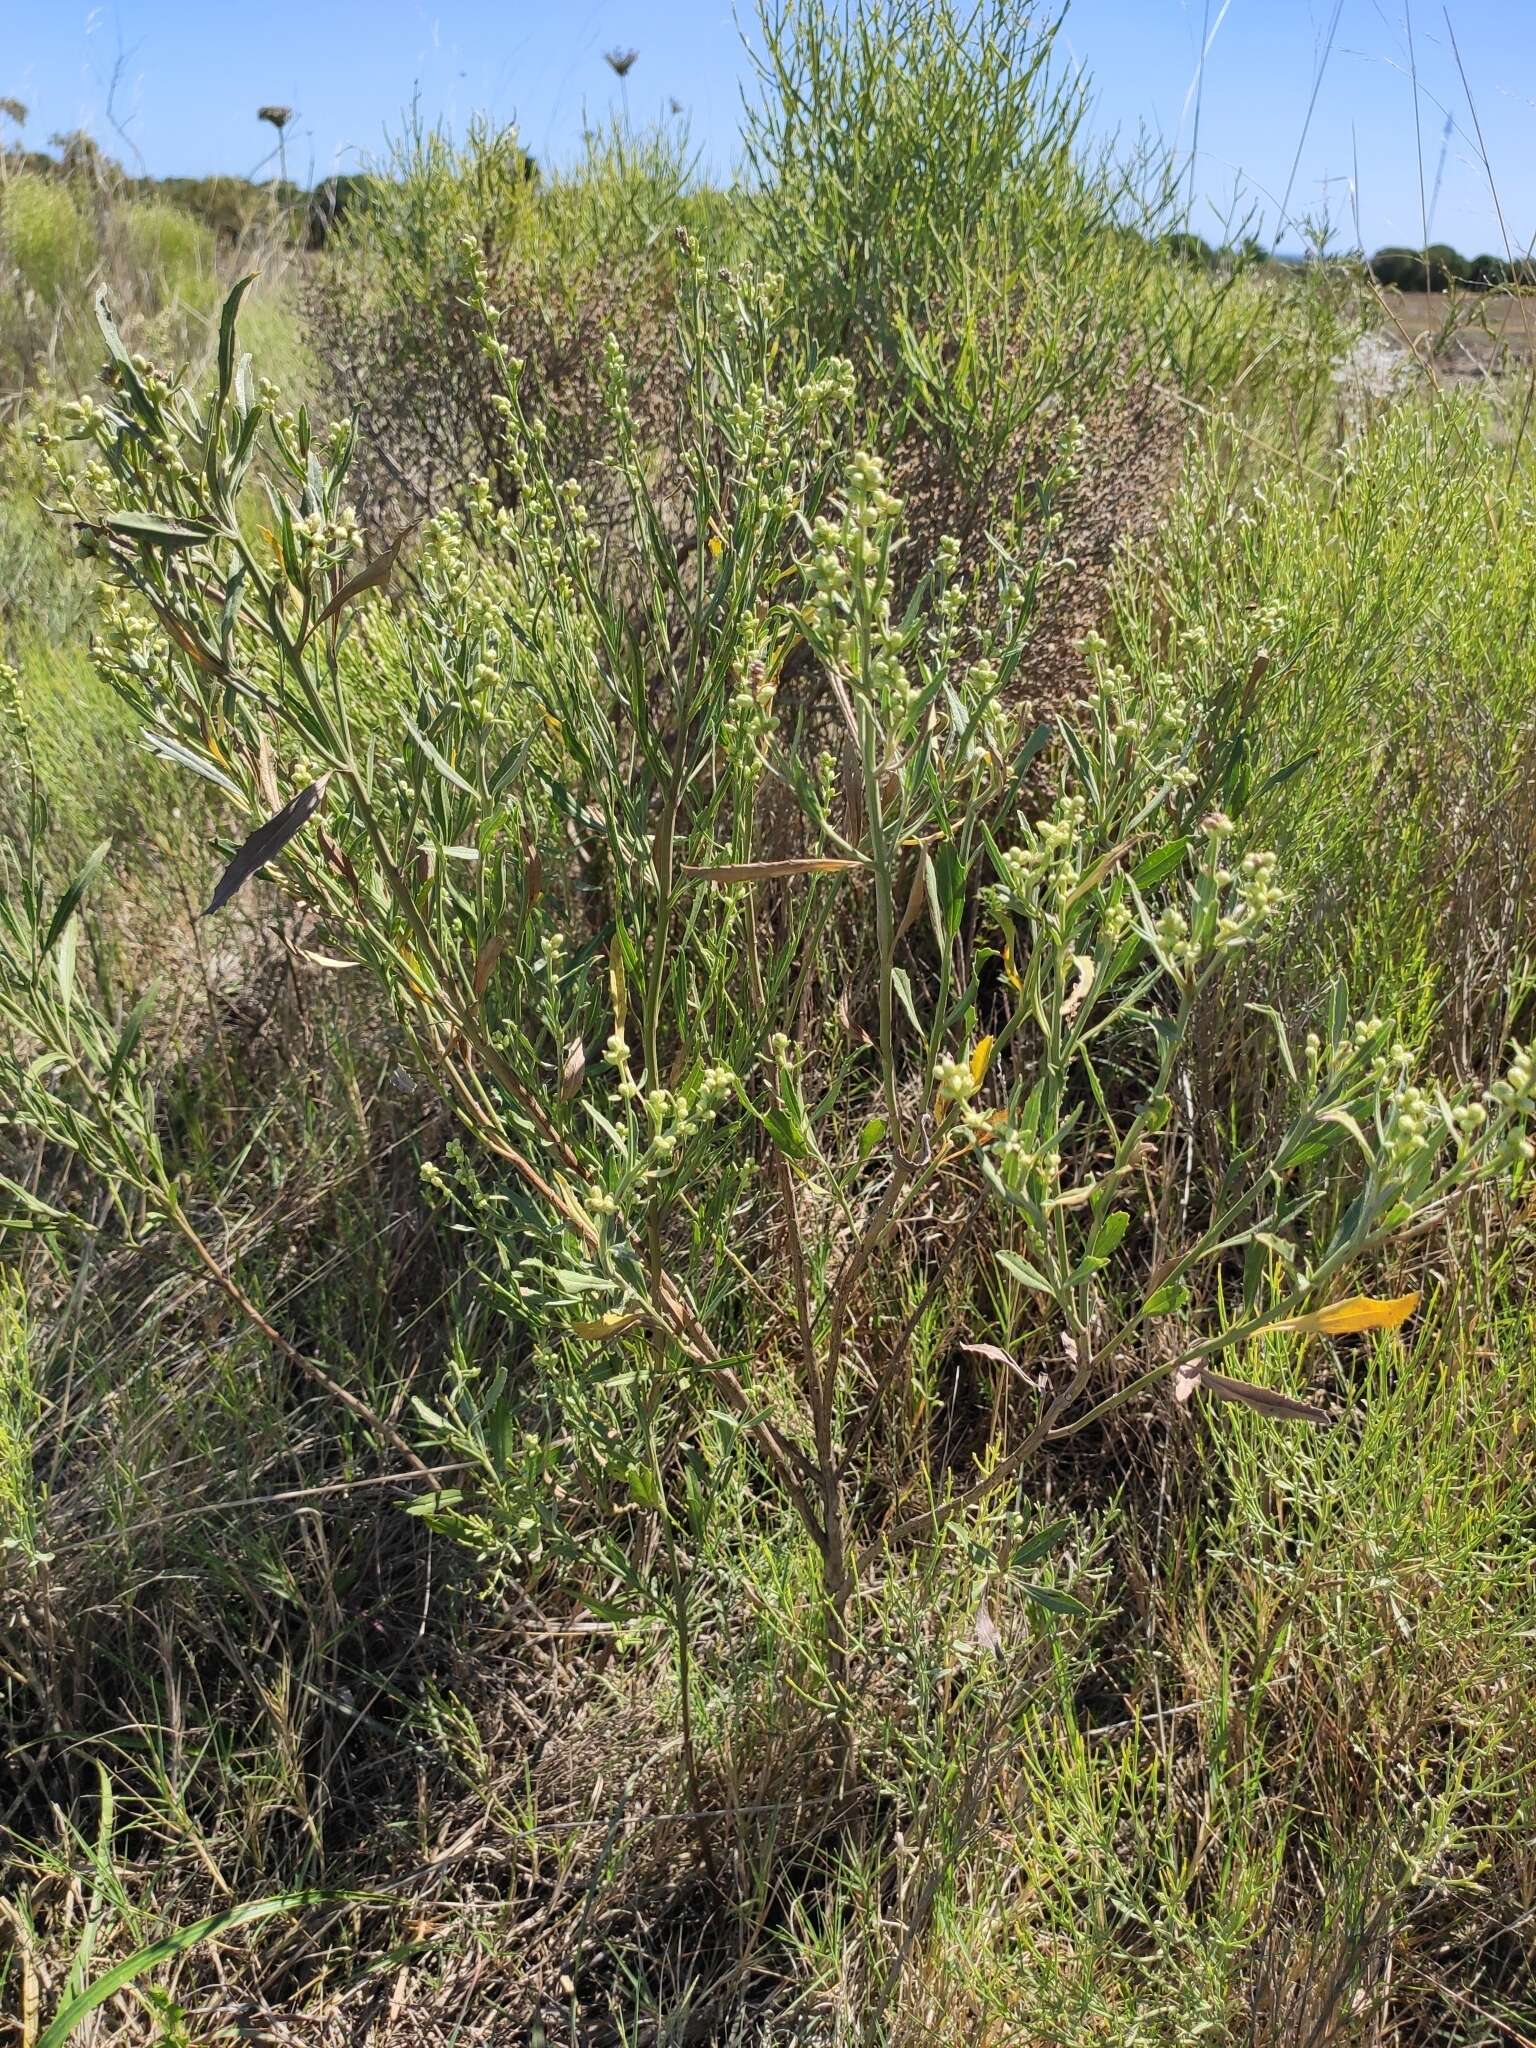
[{"x": 713, "y": 908}]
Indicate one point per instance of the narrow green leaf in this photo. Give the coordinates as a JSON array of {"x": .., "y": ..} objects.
[
  {"x": 227, "y": 319},
  {"x": 128, "y": 1038},
  {"x": 69, "y": 902},
  {"x": 167, "y": 749},
  {"x": 158, "y": 532},
  {"x": 785, "y": 1133},
  {"x": 444, "y": 768},
  {"x": 74, "y": 2010},
  {"x": 1054, "y": 1602},
  {"x": 64, "y": 961},
  {"x": 1158, "y": 866},
  {"x": 902, "y": 983},
  {"x": 1021, "y": 1270}
]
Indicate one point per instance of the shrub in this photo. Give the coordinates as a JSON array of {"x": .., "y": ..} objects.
[
  {"x": 1367, "y": 640},
  {"x": 569, "y": 261},
  {"x": 168, "y": 248},
  {"x": 47, "y": 235},
  {"x": 725, "y": 1025}
]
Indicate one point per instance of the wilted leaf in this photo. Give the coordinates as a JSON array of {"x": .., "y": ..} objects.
[
  {"x": 267, "y": 842},
  {"x": 768, "y": 870},
  {"x": 575, "y": 1066},
  {"x": 985, "y": 1633},
  {"x": 1186, "y": 1378},
  {"x": 1081, "y": 988},
  {"x": 1262, "y": 1400},
  {"x": 994, "y": 1353},
  {"x": 1346, "y": 1318},
  {"x": 485, "y": 962},
  {"x": 372, "y": 576},
  {"x": 186, "y": 639},
  {"x": 981, "y": 1059}
]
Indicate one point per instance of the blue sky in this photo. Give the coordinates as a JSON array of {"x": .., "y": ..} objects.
[{"x": 190, "y": 73}]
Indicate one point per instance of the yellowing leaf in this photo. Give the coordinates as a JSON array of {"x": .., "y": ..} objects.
[
  {"x": 1011, "y": 973},
  {"x": 1359, "y": 1312},
  {"x": 770, "y": 870},
  {"x": 614, "y": 1324},
  {"x": 981, "y": 1059}
]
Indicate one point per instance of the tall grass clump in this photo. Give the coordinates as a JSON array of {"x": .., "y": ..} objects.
[{"x": 1365, "y": 629}]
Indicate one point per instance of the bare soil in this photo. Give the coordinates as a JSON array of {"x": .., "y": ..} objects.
[{"x": 1463, "y": 337}]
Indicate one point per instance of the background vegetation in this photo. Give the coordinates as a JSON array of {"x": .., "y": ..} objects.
[{"x": 812, "y": 1323}]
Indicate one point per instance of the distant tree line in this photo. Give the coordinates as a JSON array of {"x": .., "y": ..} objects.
[{"x": 1440, "y": 268}]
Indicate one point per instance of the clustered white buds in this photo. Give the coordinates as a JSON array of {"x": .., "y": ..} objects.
[
  {"x": 848, "y": 610},
  {"x": 334, "y": 538},
  {"x": 749, "y": 713},
  {"x": 1047, "y": 862},
  {"x": 956, "y": 1082}
]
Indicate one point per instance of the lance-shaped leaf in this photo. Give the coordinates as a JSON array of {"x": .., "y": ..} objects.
[
  {"x": 69, "y": 902},
  {"x": 1262, "y": 1400},
  {"x": 372, "y": 576},
  {"x": 227, "y": 319},
  {"x": 267, "y": 842},
  {"x": 1347, "y": 1318},
  {"x": 768, "y": 870},
  {"x": 122, "y": 361},
  {"x": 169, "y": 749},
  {"x": 156, "y": 531}
]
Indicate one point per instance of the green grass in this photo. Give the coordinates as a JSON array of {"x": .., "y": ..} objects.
[{"x": 391, "y": 1640}]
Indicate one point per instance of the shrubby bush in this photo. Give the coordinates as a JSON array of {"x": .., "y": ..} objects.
[
  {"x": 690, "y": 987},
  {"x": 570, "y": 259},
  {"x": 892, "y": 1165}
]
